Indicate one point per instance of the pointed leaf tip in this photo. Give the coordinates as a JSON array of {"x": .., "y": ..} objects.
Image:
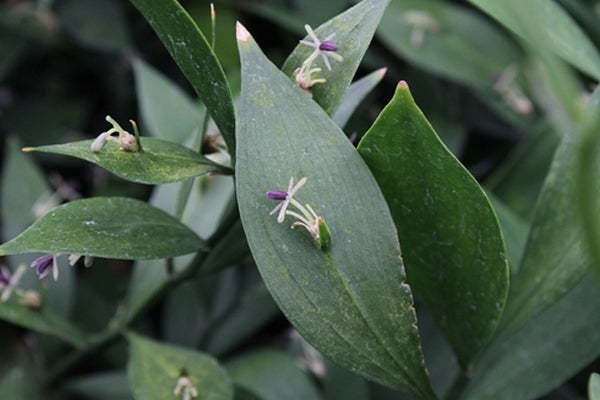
[
  {"x": 402, "y": 85},
  {"x": 27, "y": 149},
  {"x": 381, "y": 72},
  {"x": 241, "y": 33}
]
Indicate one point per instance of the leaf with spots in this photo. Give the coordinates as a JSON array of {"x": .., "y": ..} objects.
[
  {"x": 453, "y": 248},
  {"x": 350, "y": 300}
]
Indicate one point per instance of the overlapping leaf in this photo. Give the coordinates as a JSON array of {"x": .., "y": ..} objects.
[
  {"x": 351, "y": 301},
  {"x": 161, "y": 161},
  {"x": 196, "y": 59},
  {"x": 110, "y": 227},
  {"x": 452, "y": 244},
  {"x": 353, "y": 32}
]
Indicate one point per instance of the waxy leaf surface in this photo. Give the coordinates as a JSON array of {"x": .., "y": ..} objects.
[
  {"x": 353, "y": 32},
  {"x": 161, "y": 161},
  {"x": 154, "y": 369},
  {"x": 452, "y": 245},
  {"x": 196, "y": 59},
  {"x": 350, "y": 302},
  {"x": 109, "y": 227}
]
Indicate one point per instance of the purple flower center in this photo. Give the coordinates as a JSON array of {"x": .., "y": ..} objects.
[
  {"x": 42, "y": 264},
  {"x": 276, "y": 195},
  {"x": 328, "y": 45}
]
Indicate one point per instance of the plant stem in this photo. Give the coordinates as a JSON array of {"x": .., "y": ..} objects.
[{"x": 458, "y": 386}]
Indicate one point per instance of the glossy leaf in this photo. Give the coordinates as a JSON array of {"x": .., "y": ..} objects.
[
  {"x": 349, "y": 302},
  {"x": 196, "y": 59},
  {"x": 42, "y": 321},
  {"x": 109, "y": 227},
  {"x": 545, "y": 25},
  {"x": 544, "y": 352},
  {"x": 272, "y": 375},
  {"x": 594, "y": 387},
  {"x": 168, "y": 113},
  {"x": 353, "y": 32},
  {"x": 447, "y": 40},
  {"x": 356, "y": 92},
  {"x": 160, "y": 161},
  {"x": 555, "y": 257},
  {"x": 452, "y": 244},
  {"x": 154, "y": 369}
]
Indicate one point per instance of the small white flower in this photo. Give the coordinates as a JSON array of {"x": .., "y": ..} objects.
[{"x": 185, "y": 388}]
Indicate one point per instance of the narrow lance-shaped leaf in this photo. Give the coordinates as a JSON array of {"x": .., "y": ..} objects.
[
  {"x": 349, "y": 301},
  {"x": 161, "y": 161},
  {"x": 110, "y": 227},
  {"x": 353, "y": 32},
  {"x": 556, "y": 256},
  {"x": 155, "y": 369},
  {"x": 545, "y": 25},
  {"x": 196, "y": 59},
  {"x": 453, "y": 248},
  {"x": 356, "y": 92}
]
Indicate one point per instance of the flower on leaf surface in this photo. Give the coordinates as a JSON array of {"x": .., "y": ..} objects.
[
  {"x": 9, "y": 282},
  {"x": 305, "y": 216},
  {"x": 43, "y": 265}
]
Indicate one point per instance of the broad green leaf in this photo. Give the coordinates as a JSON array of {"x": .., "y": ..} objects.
[
  {"x": 594, "y": 387},
  {"x": 96, "y": 25},
  {"x": 342, "y": 384},
  {"x": 447, "y": 40},
  {"x": 545, "y": 25},
  {"x": 353, "y": 32},
  {"x": 547, "y": 350},
  {"x": 555, "y": 257},
  {"x": 356, "y": 92},
  {"x": 43, "y": 321},
  {"x": 196, "y": 59},
  {"x": 111, "y": 385},
  {"x": 168, "y": 113},
  {"x": 161, "y": 161},
  {"x": 155, "y": 368},
  {"x": 350, "y": 302},
  {"x": 109, "y": 227},
  {"x": 452, "y": 245},
  {"x": 272, "y": 375}
]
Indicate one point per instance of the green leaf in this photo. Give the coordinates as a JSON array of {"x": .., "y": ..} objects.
[
  {"x": 43, "y": 321},
  {"x": 160, "y": 161},
  {"x": 545, "y": 25},
  {"x": 350, "y": 302},
  {"x": 272, "y": 375},
  {"x": 547, "y": 350},
  {"x": 456, "y": 44},
  {"x": 594, "y": 386},
  {"x": 353, "y": 32},
  {"x": 452, "y": 244},
  {"x": 160, "y": 100},
  {"x": 155, "y": 368},
  {"x": 110, "y": 227},
  {"x": 555, "y": 257},
  {"x": 356, "y": 92},
  {"x": 196, "y": 59}
]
